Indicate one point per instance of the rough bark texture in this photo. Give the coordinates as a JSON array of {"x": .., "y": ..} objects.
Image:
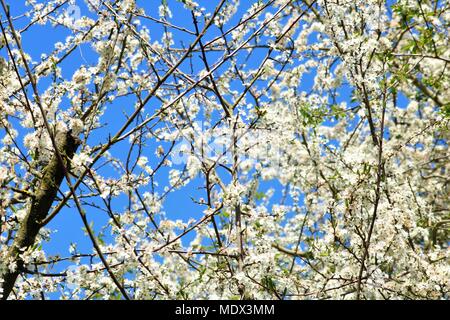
[{"x": 53, "y": 175}]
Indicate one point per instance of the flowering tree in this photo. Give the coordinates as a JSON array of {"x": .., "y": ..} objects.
[{"x": 310, "y": 135}]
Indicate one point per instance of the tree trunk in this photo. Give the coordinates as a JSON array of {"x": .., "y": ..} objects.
[{"x": 44, "y": 195}]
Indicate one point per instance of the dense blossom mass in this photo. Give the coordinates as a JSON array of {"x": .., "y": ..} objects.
[{"x": 308, "y": 140}]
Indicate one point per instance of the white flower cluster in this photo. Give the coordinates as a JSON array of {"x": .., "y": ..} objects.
[{"x": 292, "y": 151}]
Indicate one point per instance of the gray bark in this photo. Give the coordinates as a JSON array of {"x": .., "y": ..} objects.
[{"x": 41, "y": 202}]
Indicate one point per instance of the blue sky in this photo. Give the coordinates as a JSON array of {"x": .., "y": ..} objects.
[
  {"x": 37, "y": 40},
  {"x": 178, "y": 205}
]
